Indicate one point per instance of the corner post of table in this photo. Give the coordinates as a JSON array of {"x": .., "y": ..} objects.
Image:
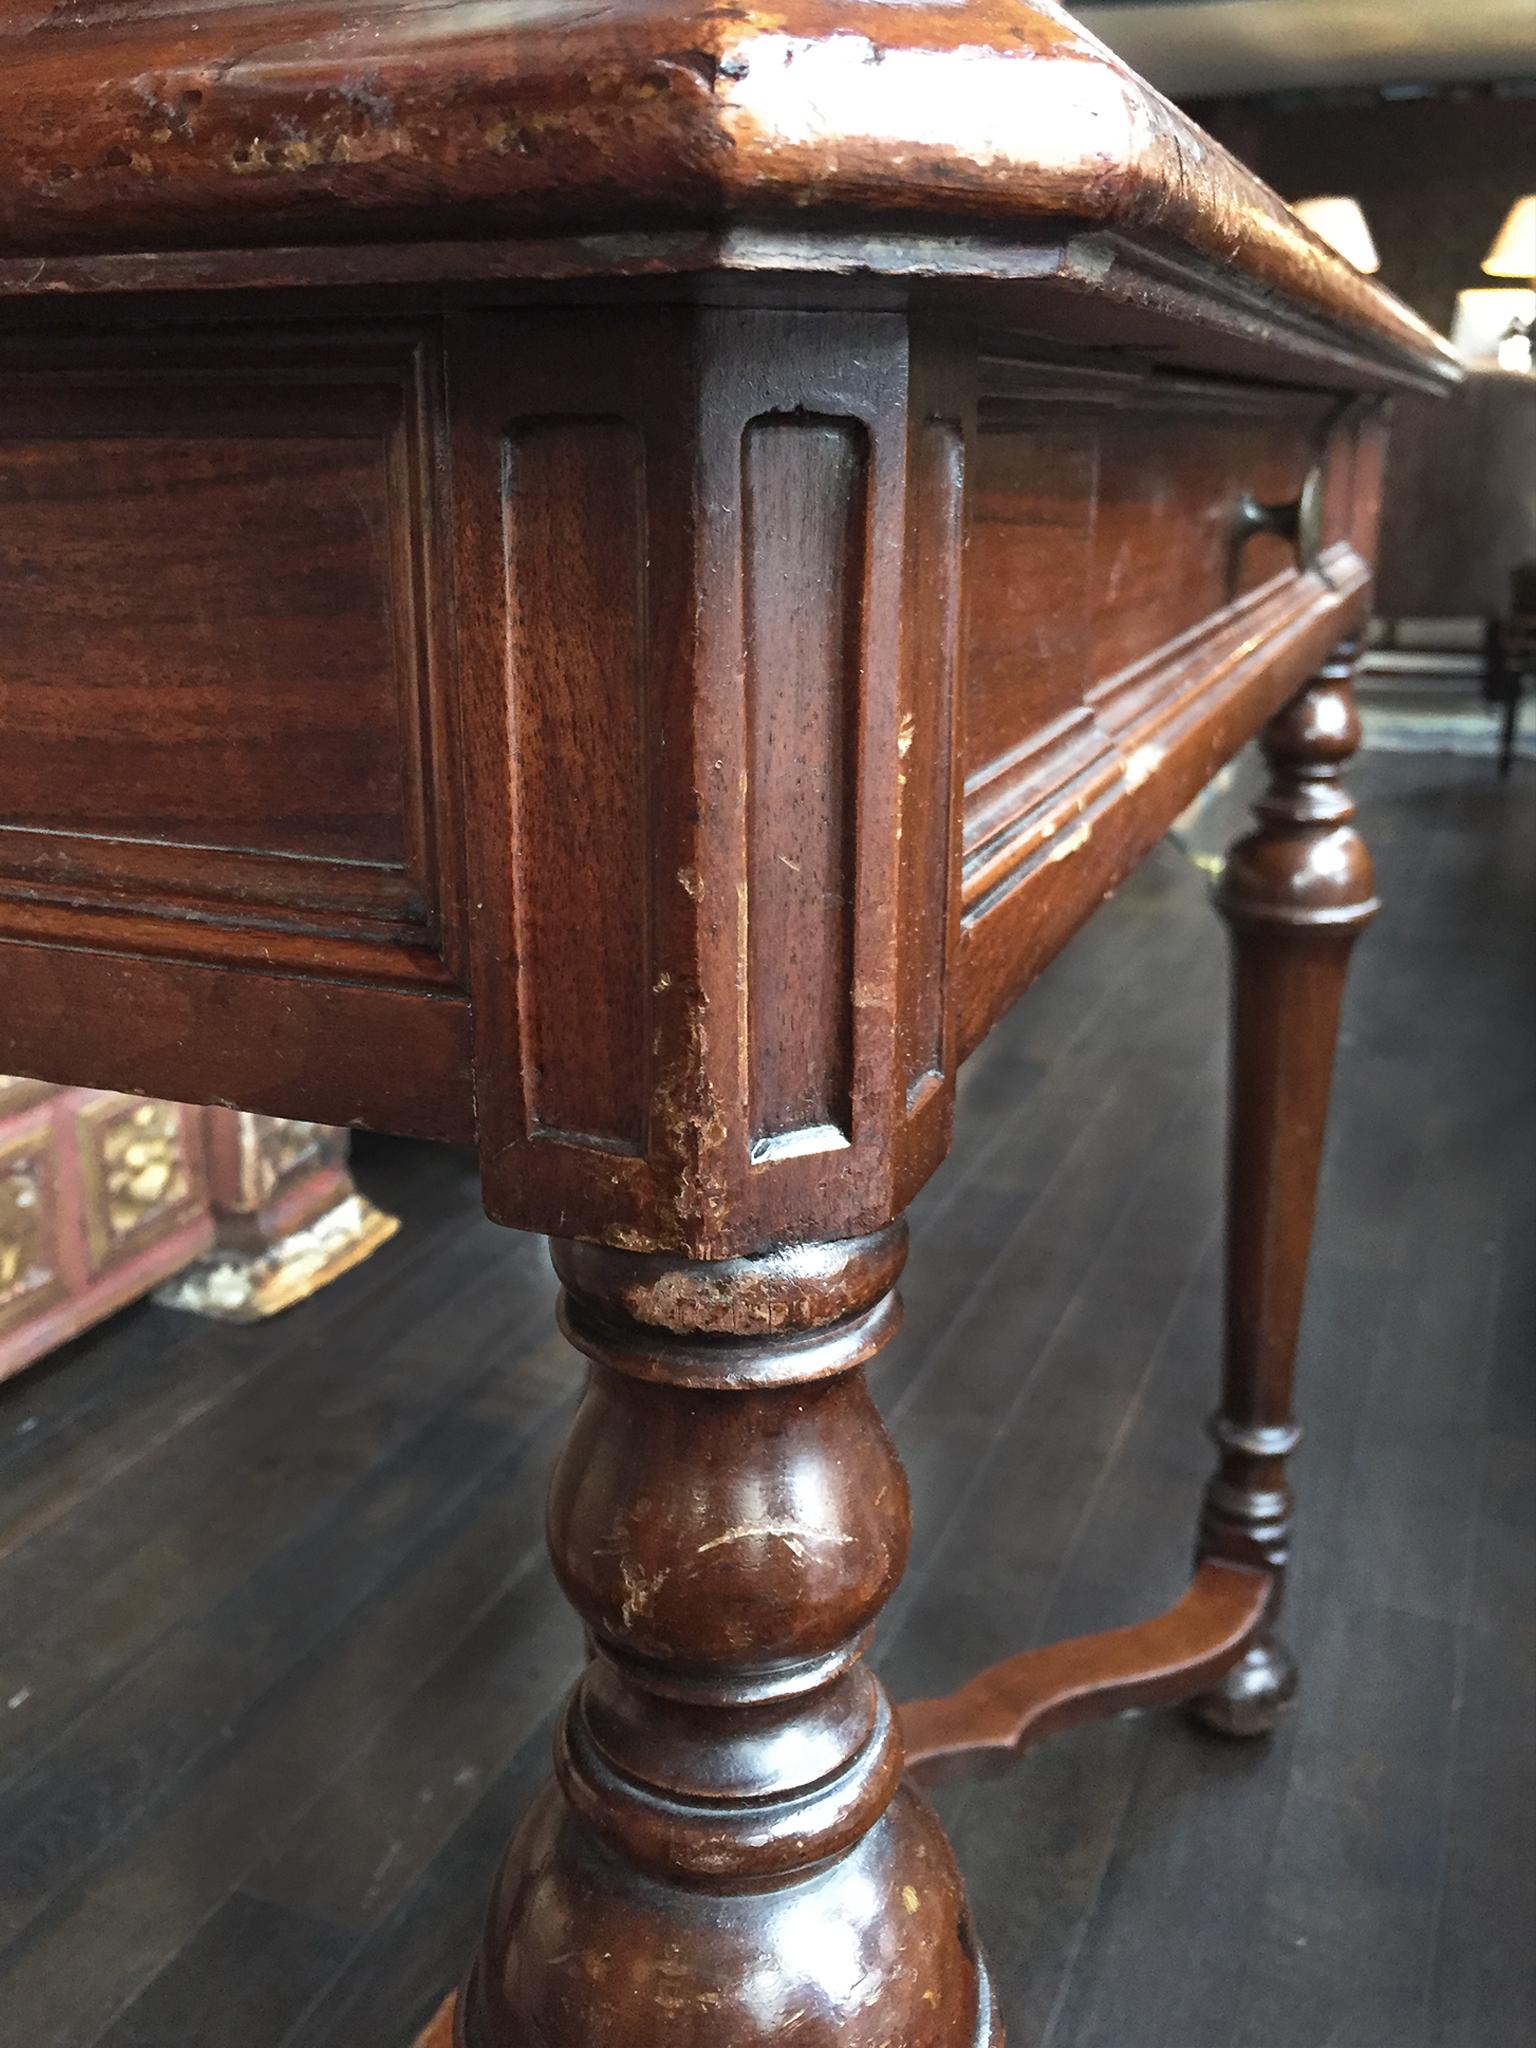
[
  {"x": 1295, "y": 894},
  {"x": 710, "y": 577}
]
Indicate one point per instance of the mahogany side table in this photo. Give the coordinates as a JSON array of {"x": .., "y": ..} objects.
[{"x": 613, "y": 581}]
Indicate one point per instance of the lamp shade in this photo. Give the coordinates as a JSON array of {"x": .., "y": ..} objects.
[
  {"x": 1340, "y": 223},
  {"x": 1514, "y": 247}
]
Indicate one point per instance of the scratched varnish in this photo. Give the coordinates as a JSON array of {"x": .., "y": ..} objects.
[{"x": 282, "y": 1649}]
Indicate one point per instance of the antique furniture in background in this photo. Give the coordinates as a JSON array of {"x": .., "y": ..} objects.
[
  {"x": 614, "y": 583},
  {"x": 287, "y": 1218},
  {"x": 104, "y": 1196},
  {"x": 1460, "y": 513},
  {"x": 1459, "y": 519},
  {"x": 101, "y": 1196},
  {"x": 1511, "y": 650}
]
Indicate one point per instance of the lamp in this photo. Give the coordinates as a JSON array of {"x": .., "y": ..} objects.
[
  {"x": 1514, "y": 247},
  {"x": 1340, "y": 223},
  {"x": 1514, "y": 255}
]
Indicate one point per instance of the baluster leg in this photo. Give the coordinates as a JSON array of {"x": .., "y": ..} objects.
[
  {"x": 729, "y": 1857},
  {"x": 1295, "y": 894}
]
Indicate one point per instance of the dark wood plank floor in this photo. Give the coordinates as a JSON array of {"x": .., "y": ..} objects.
[{"x": 280, "y": 1649}]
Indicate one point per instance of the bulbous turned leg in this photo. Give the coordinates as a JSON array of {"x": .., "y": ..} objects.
[
  {"x": 729, "y": 1857},
  {"x": 1296, "y": 892},
  {"x": 1253, "y": 1695}
]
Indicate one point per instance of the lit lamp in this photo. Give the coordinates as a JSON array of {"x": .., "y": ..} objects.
[
  {"x": 1340, "y": 223},
  {"x": 1514, "y": 255},
  {"x": 1514, "y": 247}
]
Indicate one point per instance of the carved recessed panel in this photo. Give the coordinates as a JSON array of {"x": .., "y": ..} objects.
[
  {"x": 140, "y": 1171},
  {"x": 925, "y": 743},
  {"x": 216, "y": 670},
  {"x": 803, "y": 549},
  {"x": 29, "y": 1276},
  {"x": 576, "y": 546}
]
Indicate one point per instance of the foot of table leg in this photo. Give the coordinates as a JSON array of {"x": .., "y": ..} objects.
[
  {"x": 1296, "y": 892},
  {"x": 729, "y": 1853},
  {"x": 1252, "y": 1696}
]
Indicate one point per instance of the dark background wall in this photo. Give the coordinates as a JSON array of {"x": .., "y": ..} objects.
[{"x": 1435, "y": 175}]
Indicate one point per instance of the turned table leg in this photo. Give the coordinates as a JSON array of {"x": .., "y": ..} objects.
[
  {"x": 1296, "y": 892},
  {"x": 729, "y": 1855}
]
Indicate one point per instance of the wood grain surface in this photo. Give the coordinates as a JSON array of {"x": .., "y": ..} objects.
[
  {"x": 577, "y": 715},
  {"x": 221, "y": 687},
  {"x": 136, "y": 126},
  {"x": 636, "y": 751}
]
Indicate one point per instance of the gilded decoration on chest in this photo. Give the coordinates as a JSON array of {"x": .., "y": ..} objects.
[
  {"x": 27, "y": 1226},
  {"x": 138, "y": 1169}
]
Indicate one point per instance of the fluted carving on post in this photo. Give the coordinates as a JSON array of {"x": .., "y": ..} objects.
[{"x": 1296, "y": 892}]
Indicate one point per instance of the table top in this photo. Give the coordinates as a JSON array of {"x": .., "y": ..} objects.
[{"x": 950, "y": 137}]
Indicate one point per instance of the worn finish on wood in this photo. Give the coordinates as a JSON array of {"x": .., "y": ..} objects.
[
  {"x": 711, "y": 1035},
  {"x": 689, "y": 553},
  {"x": 285, "y": 127},
  {"x": 1296, "y": 893},
  {"x": 672, "y": 535},
  {"x": 383, "y": 1563},
  {"x": 728, "y": 1517}
]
